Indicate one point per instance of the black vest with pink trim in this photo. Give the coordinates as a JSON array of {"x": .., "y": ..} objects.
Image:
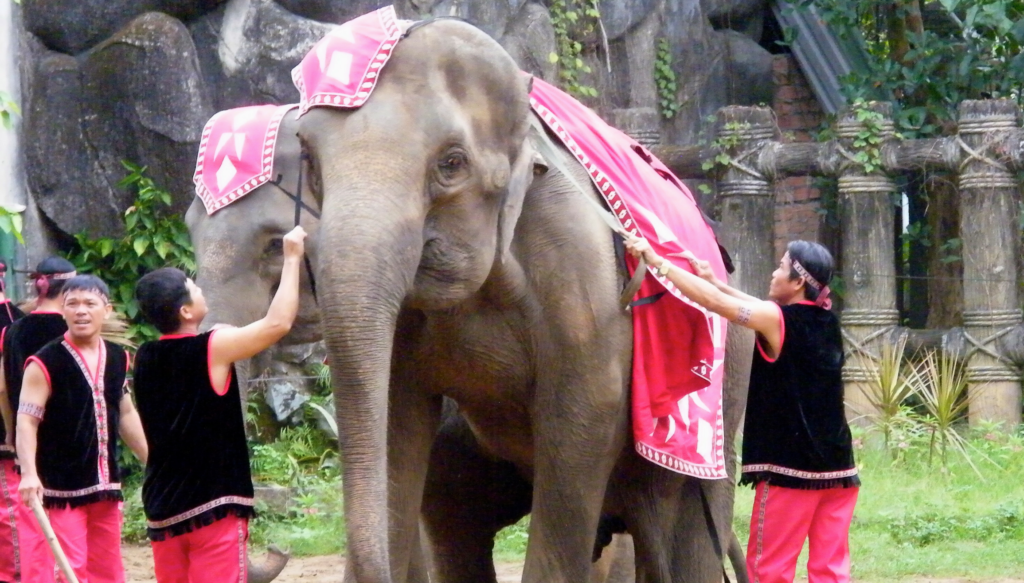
[
  {"x": 21, "y": 340},
  {"x": 198, "y": 469},
  {"x": 76, "y": 454},
  {"x": 8, "y": 314},
  {"x": 795, "y": 434}
]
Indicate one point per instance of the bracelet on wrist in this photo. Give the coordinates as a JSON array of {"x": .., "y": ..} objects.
[{"x": 665, "y": 267}]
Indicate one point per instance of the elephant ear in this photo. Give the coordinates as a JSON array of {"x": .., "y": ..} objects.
[{"x": 527, "y": 166}]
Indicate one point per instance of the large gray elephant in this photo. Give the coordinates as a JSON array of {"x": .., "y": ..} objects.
[
  {"x": 457, "y": 265},
  {"x": 470, "y": 494}
]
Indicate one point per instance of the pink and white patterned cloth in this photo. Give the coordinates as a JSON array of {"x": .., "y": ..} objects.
[
  {"x": 236, "y": 153},
  {"x": 342, "y": 68},
  {"x": 678, "y": 346}
]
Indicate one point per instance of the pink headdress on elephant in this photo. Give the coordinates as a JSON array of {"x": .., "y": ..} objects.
[
  {"x": 343, "y": 67},
  {"x": 236, "y": 153}
]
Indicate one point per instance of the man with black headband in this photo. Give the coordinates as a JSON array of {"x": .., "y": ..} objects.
[
  {"x": 797, "y": 448},
  {"x": 10, "y": 563},
  {"x": 19, "y": 341},
  {"x": 74, "y": 403}
]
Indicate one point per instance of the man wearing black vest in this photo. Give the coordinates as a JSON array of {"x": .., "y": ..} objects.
[
  {"x": 20, "y": 341},
  {"x": 10, "y": 555},
  {"x": 198, "y": 493},
  {"x": 74, "y": 402},
  {"x": 797, "y": 448}
]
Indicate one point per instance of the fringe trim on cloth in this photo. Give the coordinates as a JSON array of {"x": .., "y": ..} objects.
[
  {"x": 754, "y": 478},
  {"x": 199, "y": 521},
  {"x": 53, "y": 502}
]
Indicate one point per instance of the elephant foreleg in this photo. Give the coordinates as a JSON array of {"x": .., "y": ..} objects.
[
  {"x": 413, "y": 418},
  {"x": 581, "y": 425}
]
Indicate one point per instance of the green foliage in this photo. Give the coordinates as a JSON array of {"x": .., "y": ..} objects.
[
  {"x": 889, "y": 388},
  {"x": 665, "y": 79},
  {"x": 8, "y": 109},
  {"x": 314, "y": 523},
  {"x": 868, "y": 141},
  {"x": 1006, "y": 522},
  {"x": 300, "y": 453},
  {"x": 573, "y": 20},
  {"x": 510, "y": 542},
  {"x": 723, "y": 144},
  {"x": 971, "y": 51},
  {"x": 153, "y": 238}
]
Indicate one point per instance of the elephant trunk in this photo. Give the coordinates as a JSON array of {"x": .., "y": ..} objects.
[
  {"x": 375, "y": 241},
  {"x": 270, "y": 568}
]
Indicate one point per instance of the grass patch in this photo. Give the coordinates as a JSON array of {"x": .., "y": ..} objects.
[
  {"x": 914, "y": 519},
  {"x": 313, "y": 525}
]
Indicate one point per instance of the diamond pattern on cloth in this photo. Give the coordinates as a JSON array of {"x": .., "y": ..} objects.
[
  {"x": 236, "y": 153},
  {"x": 343, "y": 67}
]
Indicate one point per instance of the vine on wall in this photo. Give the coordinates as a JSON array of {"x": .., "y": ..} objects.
[
  {"x": 665, "y": 79},
  {"x": 573, "y": 20}
]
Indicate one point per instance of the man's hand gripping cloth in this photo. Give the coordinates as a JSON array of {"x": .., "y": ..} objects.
[{"x": 678, "y": 347}]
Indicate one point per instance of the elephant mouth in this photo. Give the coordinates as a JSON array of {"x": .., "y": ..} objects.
[{"x": 442, "y": 278}]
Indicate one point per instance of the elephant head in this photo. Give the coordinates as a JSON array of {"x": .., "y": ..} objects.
[
  {"x": 421, "y": 190},
  {"x": 238, "y": 248}
]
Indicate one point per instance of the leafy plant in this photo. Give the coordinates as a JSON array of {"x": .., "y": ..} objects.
[
  {"x": 153, "y": 238},
  {"x": 573, "y": 20},
  {"x": 966, "y": 49},
  {"x": 942, "y": 384},
  {"x": 889, "y": 388},
  {"x": 665, "y": 79},
  {"x": 8, "y": 109}
]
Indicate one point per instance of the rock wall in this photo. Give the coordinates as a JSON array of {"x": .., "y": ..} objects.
[{"x": 108, "y": 80}]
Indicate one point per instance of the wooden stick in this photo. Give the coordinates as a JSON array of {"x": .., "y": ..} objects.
[{"x": 51, "y": 538}]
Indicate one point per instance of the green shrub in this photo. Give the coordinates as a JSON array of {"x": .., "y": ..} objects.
[{"x": 153, "y": 238}]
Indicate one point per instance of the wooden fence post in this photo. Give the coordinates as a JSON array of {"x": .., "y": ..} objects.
[
  {"x": 869, "y": 270},
  {"x": 991, "y": 244},
  {"x": 746, "y": 196}
]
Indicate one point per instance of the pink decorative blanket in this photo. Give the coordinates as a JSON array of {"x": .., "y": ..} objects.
[
  {"x": 236, "y": 153},
  {"x": 678, "y": 347}
]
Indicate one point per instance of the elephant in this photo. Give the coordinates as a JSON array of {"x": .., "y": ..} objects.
[
  {"x": 470, "y": 495},
  {"x": 456, "y": 264}
]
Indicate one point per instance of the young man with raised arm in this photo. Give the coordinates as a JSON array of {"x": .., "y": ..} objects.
[{"x": 198, "y": 492}]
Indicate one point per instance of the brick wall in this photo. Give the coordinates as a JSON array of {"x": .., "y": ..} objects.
[{"x": 796, "y": 200}]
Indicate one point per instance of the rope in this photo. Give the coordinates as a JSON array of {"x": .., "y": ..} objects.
[
  {"x": 869, "y": 184},
  {"x": 870, "y": 317}
]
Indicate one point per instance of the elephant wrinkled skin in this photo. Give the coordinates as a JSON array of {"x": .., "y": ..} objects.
[{"x": 460, "y": 266}]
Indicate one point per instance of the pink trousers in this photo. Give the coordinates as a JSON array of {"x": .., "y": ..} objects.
[
  {"x": 24, "y": 554},
  {"x": 91, "y": 538},
  {"x": 783, "y": 518},
  {"x": 212, "y": 554}
]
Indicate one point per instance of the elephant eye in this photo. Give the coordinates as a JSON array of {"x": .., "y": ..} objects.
[
  {"x": 452, "y": 164},
  {"x": 274, "y": 247}
]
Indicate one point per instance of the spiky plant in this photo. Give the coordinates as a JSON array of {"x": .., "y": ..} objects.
[
  {"x": 942, "y": 384},
  {"x": 889, "y": 387}
]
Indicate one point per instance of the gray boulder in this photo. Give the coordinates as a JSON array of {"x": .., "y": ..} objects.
[
  {"x": 248, "y": 49},
  {"x": 72, "y": 26},
  {"x": 62, "y": 173},
  {"x": 144, "y": 101}
]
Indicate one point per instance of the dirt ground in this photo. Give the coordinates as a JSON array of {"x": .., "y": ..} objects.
[{"x": 138, "y": 561}]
